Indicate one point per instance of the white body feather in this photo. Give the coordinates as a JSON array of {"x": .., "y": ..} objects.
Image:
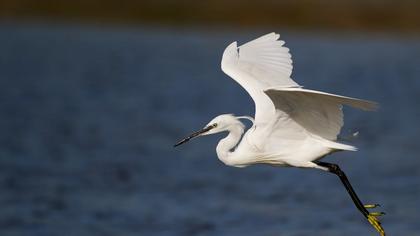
[{"x": 293, "y": 126}]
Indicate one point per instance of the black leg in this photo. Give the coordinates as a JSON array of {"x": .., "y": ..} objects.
[
  {"x": 334, "y": 168},
  {"x": 371, "y": 217}
]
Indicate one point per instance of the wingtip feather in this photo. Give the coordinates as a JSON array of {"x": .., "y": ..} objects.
[{"x": 363, "y": 104}]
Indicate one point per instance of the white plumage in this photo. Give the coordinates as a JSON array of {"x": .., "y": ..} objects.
[{"x": 293, "y": 126}]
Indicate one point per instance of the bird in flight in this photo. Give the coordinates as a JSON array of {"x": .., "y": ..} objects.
[{"x": 293, "y": 126}]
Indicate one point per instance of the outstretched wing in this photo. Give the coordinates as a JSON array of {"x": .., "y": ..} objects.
[
  {"x": 316, "y": 112},
  {"x": 284, "y": 112},
  {"x": 257, "y": 66}
]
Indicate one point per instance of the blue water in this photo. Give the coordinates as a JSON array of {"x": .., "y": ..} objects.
[{"x": 89, "y": 117}]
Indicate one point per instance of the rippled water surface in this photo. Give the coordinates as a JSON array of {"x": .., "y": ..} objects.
[{"x": 89, "y": 117}]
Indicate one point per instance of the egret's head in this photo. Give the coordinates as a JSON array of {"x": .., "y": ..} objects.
[
  {"x": 218, "y": 124},
  {"x": 222, "y": 123}
]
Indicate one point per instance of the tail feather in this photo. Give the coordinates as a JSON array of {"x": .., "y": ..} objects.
[{"x": 339, "y": 146}]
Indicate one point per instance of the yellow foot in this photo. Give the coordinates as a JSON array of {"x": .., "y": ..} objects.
[
  {"x": 377, "y": 213},
  {"x": 375, "y": 222},
  {"x": 368, "y": 206}
]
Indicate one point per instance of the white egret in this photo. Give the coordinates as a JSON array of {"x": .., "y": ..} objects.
[{"x": 293, "y": 126}]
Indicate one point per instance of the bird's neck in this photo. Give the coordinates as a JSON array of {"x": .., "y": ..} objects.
[{"x": 225, "y": 146}]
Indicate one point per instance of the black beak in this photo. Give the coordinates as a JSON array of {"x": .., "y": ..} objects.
[{"x": 193, "y": 135}]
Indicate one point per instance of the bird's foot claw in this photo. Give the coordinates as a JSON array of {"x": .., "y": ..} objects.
[
  {"x": 373, "y": 220},
  {"x": 368, "y": 206},
  {"x": 377, "y": 213}
]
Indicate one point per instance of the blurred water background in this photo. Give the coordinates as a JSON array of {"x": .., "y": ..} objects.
[{"x": 89, "y": 114}]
